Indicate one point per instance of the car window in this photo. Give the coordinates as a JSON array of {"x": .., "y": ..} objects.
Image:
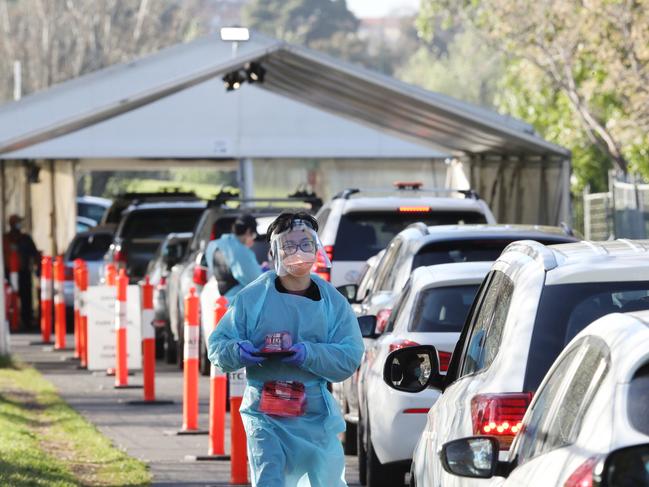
[
  {"x": 89, "y": 247},
  {"x": 398, "y": 308},
  {"x": 94, "y": 212},
  {"x": 530, "y": 439},
  {"x": 473, "y": 250},
  {"x": 442, "y": 309},
  {"x": 362, "y": 234},
  {"x": 557, "y": 414},
  {"x": 385, "y": 271},
  {"x": 638, "y": 400},
  {"x": 159, "y": 223},
  {"x": 566, "y": 309},
  {"x": 484, "y": 341}
]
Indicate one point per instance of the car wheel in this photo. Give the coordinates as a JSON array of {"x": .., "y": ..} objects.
[
  {"x": 413, "y": 481},
  {"x": 203, "y": 362},
  {"x": 169, "y": 348},
  {"x": 378, "y": 474},
  {"x": 361, "y": 454},
  {"x": 350, "y": 439},
  {"x": 180, "y": 352}
]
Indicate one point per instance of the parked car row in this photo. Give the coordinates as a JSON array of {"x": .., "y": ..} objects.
[{"x": 502, "y": 413}]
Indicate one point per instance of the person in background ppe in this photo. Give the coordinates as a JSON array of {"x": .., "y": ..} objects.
[
  {"x": 230, "y": 260},
  {"x": 291, "y": 419},
  {"x": 29, "y": 258}
]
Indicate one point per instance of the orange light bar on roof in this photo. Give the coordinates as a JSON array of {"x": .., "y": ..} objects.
[{"x": 414, "y": 209}]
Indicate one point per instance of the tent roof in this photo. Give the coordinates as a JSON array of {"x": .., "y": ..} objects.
[{"x": 132, "y": 110}]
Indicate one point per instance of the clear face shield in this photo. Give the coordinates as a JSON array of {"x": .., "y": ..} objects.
[{"x": 295, "y": 251}]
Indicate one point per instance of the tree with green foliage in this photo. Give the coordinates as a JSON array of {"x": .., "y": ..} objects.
[
  {"x": 591, "y": 57},
  {"x": 300, "y": 21}
]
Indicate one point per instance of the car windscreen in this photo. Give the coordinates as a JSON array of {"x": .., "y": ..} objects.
[
  {"x": 159, "y": 223},
  {"x": 89, "y": 247},
  {"x": 566, "y": 309},
  {"x": 361, "y": 234},
  {"x": 638, "y": 400},
  {"x": 88, "y": 210},
  {"x": 443, "y": 309},
  {"x": 468, "y": 250}
]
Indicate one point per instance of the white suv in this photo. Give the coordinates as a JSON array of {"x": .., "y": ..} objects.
[
  {"x": 532, "y": 303},
  {"x": 357, "y": 224}
]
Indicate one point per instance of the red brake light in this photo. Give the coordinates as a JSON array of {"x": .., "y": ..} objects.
[
  {"x": 444, "y": 360},
  {"x": 382, "y": 318},
  {"x": 416, "y": 411},
  {"x": 414, "y": 209},
  {"x": 69, "y": 273},
  {"x": 499, "y": 415},
  {"x": 403, "y": 344},
  {"x": 119, "y": 256},
  {"x": 162, "y": 283},
  {"x": 583, "y": 476},
  {"x": 319, "y": 267},
  {"x": 200, "y": 275},
  {"x": 408, "y": 184}
]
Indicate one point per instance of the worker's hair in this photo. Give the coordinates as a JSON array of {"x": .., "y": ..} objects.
[
  {"x": 286, "y": 221},
  {"x": 243, "y": 223}
]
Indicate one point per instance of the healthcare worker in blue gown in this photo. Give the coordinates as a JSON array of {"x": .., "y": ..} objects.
[
  {"x": 230, "y": 259},
  {"x": 302, "y": 449}
]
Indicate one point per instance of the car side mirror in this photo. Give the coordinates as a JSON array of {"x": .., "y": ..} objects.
[
  {"x": 626, "y": 466},
  {"x": 349, "y": 291},
  {"x": 367, "y": 325},
  {"x": 413, "y": 369},
  {"x": 474, "y": 457}
]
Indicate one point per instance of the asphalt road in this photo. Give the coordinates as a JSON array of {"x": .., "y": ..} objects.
[{"x": 144, "y": 432}]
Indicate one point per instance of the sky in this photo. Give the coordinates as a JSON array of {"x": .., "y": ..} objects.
[{"x": 380, "y": 8}]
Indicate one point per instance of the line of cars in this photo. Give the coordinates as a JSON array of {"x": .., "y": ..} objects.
[{"x": 572, "y": 423}]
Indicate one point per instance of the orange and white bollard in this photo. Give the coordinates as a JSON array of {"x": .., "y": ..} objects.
[
  {"x": 111, "y": 274},
  {"x": 83, "y": 313},
  {"x": 59, "y": 304},
  {"x": 190, "y": 365},
  {"x": 238, "y": 454},
  {"x": 148, "y": 341},
  {"x": 121, "y": 350},
  {"x": 77, "y": 307},
  {"x": 218, "y": 392},
  {"x": 14, "y": 269},
  {"x": 46, "y": 298}
]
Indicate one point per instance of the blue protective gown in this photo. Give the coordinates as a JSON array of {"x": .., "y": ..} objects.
[
  {"x": 241, "y": 260},
  {"x": 305, "y": 450}
]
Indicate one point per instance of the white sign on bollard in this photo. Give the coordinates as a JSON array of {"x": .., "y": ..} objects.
[
  {"x": 237, "y": 382},
  {"x": 100, "y": 308}
]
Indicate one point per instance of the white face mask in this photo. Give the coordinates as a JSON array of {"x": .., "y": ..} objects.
[{"x": 299, "y": 264}]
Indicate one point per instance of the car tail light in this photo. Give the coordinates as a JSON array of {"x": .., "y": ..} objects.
[
  {"x": 200, "y": 275},
  {"x": 416, "y": 411},
  {"x": 444, "y": 359},
  {"x": 119, "y": 257},
  {"x": 69, "y": 273},
  {"x": 583, "y": 476},
  {"x": 499, "y": 415},
  {"x": 414, "y": 209},
  {"x": 319, "y": 267},
  {"x": 402, "y": 344},
  {"x": 162, "y": 283},
  {"x": 382, "y": 318}
]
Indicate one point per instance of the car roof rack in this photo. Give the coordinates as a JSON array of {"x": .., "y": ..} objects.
[
  {"x": 410, "y": 187},
  {"x": 304, "y": 196}
]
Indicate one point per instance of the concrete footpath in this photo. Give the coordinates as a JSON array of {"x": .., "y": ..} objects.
[{"x": 144, "y": 432}]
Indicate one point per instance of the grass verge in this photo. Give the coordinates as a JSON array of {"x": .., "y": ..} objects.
[{"x": 44, "y": 442}]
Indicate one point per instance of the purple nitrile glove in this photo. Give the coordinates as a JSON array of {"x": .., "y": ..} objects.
[
  {"x": 298, "y": 357},
  {"x": 245, "y": 351}
]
